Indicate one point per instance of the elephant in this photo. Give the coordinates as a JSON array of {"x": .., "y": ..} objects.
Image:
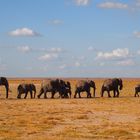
[
  {"x": 53, "y": 86},
  {"x": 25, "y": 88},
  {"x": 65, "y": 89},
  {"x": 85, "y": 85},
  {"x": 49, "y": 86},
  {"x": 4, "y": 81},
  {"x": 112, "y": 85},
  {"x": 137, "y": 90}
]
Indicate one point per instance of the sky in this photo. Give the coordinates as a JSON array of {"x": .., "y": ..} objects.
[{"x": 70, "y": 38}]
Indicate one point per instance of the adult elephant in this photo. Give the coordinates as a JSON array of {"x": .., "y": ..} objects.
[
  {"x": 137, "y": 90},
  {"x": 112, "y": 85},
  {"x": 53, "y": 86},
  {"x": 4, "y": 82},
  {"x": 25, "y": 88},
  {"x": 65, "y": 89},
  {"x": 85, "y": 85},
  {"x": 68, "y": 88}
]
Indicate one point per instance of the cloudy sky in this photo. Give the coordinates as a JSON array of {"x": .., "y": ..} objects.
[{"x": 70, "y": 38}]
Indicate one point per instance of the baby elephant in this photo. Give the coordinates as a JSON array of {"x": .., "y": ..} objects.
[
  {"x": 25, "y": 88},
  {"x": 137, "y": 89}
]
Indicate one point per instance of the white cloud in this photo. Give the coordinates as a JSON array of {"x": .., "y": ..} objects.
[
  {"x": 23, "y": 32},
  {"x": 24, "y": 49},
  {"x": 127, "y": 62},
  {"x": 56, "y": 22},
  {"x": 63, "y": 66},
  {"x": 90, "y": 48},
  {"x": 82, "y": 2},
  {"x": 51, "y": 54},
  {"x": 48, "y": 56},
  {"x": 77, "y": 64},
  {"x": 136, "y": 34},
  {"x": 115, "y": 54},
  {"x": 56, "y": 50},
  {"x": 113, "y": 5}
]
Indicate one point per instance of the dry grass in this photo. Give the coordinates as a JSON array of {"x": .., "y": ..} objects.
[{"x": 96, "y": 118}]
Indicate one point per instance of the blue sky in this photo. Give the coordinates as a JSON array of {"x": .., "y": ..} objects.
[{"x": 70, "y": 38}]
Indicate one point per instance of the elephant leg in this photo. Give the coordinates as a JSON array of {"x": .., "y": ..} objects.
[
  {"x": 45, "y": 94},
  {"x": 70, "y": 94},
  {"x": 40, "y": 93},
  {"x": 88, "y": 95},
  {"x": 34, "y": 94},
  {"x": 53, "y": 93},
  {"x": 102, "y": 91},
  {"x": 109, "y": 94},
  {"x": 19, "y": 95},
  {"x": 79, "y": 94},
  {"x": 31, "y": 94},
  {"x": 75, "y": 94},
  {"x": 25, "y": 95},
  {"x": 117, "y": 93},
  {"x": 102, "y": 94},
  {"x": 114, "y": 93},
  {"x": 136, "y": 93}
]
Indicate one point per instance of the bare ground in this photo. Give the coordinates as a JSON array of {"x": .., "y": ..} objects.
[{"x": 95, "y": 118}]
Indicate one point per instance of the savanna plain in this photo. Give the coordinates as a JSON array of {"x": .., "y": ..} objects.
[{"x": 70, "y": 119}]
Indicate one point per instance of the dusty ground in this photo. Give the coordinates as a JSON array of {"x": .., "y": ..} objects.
[{"x": 96, "y": 118}]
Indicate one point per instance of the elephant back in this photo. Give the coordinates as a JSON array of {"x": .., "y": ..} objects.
[
  {"x": 22, "y": 88},
  {"x": 82, "y": 84},
  {"x": 50, "y": 84},
  {"x": 107, "y": 82}
]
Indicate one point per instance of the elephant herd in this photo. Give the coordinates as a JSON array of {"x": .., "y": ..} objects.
[{"x": 64, "y": 88}]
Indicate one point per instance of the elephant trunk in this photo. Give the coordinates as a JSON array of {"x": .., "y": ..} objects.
[
  {"x": 121, "y": 87},
  {"x": 70, "y": 92}
]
